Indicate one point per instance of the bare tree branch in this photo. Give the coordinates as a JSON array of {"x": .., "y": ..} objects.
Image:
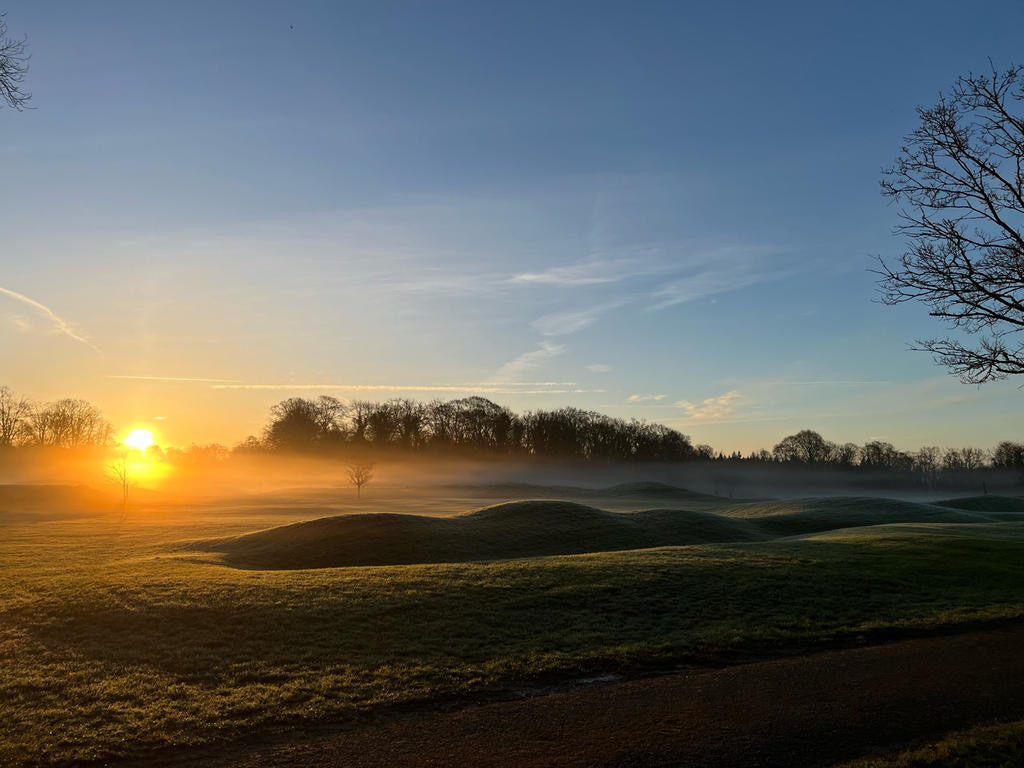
[
  {"x": 13, "y": 68},
  {"x": 959, "y": 185}
]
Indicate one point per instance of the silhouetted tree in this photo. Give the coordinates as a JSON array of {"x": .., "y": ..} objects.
[
  {"x": 13, "y": 68},
  {"x": 68, "y": 423},
  {"x": 1008, "y": 455},
  {"x": 359, "y": 419},
  {"x": 14, "y": 412},
  {"x": 301, "y": 424},
  {"x": 359, "y": 474},
  {"x": 845, "y": 455},
  {"x": 805, "y": 447},
  {"x": 928, "y": 461},
  {"x": 963, "y": 459},
  {"x": 120, "y": 473},
  {"x": 878, "y": 454},
  {"x": 411, "y": 420},
  {"x": 959, "y": 185}
]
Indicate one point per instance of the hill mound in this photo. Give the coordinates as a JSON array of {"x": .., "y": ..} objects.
[
  {"x": 800, "y": 516},
  {"x": 655, "y": 490},
  {"x": 992, "y": 504},
  {"x": 516, "y": 529},
  {"x": 637, "y": 490},
  {"x": 536, "y": 528}
]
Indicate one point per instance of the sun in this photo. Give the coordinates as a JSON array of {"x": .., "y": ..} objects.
[{"x": 140, "y": 439}]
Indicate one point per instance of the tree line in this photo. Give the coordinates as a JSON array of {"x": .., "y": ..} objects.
[
  {"x": 466, "y": 425},
  {"x": 67, "y": 423},
  {"x": 809, "y": 448},
  {"x": 476, "y": 426}
]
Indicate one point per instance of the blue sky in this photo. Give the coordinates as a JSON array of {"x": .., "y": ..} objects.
[{"x": 660, "y": 210}]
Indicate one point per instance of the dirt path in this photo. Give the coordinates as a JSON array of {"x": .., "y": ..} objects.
[{"x": 809, "y": 711}]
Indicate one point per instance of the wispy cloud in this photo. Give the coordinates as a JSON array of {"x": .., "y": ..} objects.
[
  {"x": 718, "y": 271},
  {"x": 564, "y": 323},
  {"x": 59, "y": 324},
  {"x": 22, "y": 323},
  {"x": 593, "y": 272},
  {"x": 176, "y": 378},
  {"x": 528, "y": 361},
  {"x": 842, "y": 383},
  {"x": 644, "y": 398},
  {"x": 494, "y": 387},
  {"x": 599, "y": 368},
  {"x": 712, "y": 408}
]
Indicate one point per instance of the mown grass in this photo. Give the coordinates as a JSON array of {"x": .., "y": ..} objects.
[
  {"x": 113, "y": 642},
  {"x": 995, "y": 746},
  {"x": 538, "y": 528}
]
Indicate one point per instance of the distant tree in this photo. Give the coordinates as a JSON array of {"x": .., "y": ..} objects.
[
  {"x": 704, "y": 452},
  {"x": 13, "y": 68},
  {"x": 68, "y": 423},
  {"x": 412, "y": 423},
  {"x": 119, "y": 471},
  {"x": 805, "y": 447},
  {"x": 959, "y": 185},
  {"x": 359, "y": 474},
  {"x": 845, "y": 455},
  {"x": 301, "y": 424},
  {"x": 14, "y": 412},
  {"x": 928, "y": 461},
  {"x": 963, "y": 459},
  {"x": 382, "y": 423},
  {"x": 878, "y": 454},
  {"x": 1008, "y": 455},
  {"x": 359, "y": 419},
  {"x": 251, "y": 444}
]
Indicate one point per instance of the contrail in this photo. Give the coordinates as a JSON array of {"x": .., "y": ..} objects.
[
  {"x": 175, "y": 378},
  {"x": 498, "y": 390},
  {"x": 59, "y": 323}
]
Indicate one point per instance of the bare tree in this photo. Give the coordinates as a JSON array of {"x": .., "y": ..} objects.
[
  {"x": 805, "y": 447},
  {"x": 119, "y": 472},
  {"x": 68, "y": 423},
  {"x": 959, "y": 184},
  {"x": 14, "y": 412},
  {"x": 359, "y": 474},
  {"x": 13, "y": 68}
]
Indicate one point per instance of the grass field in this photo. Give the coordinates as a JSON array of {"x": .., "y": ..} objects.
[
  {"x": 121, "y": 636},
  {"x": 995, "y": 746}
]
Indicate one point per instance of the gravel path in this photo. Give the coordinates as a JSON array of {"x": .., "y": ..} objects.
[{"x": 813, "y": 710}]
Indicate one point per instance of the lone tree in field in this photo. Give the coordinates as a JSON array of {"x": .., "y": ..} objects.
[
  {"x": 13, "y": 68},
  {"x": 359, "y": 474},
  {"x": 119, "y": 473},
  {"x": 959, "y": 185}
]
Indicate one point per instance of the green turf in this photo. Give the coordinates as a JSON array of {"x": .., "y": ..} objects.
[
  {"x": 550, "y": 527},
  {"x": 996, "y": 746},
  {"x": 504, "y": 531},
  {"x": 115, "y": 638},
  {"x": 990, "y": 504}
]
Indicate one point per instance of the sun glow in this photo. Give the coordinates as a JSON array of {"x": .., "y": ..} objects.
[{"x": 139, "y": 439}]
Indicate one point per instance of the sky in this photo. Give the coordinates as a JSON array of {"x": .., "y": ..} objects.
[{"x": 666, "y": 211}]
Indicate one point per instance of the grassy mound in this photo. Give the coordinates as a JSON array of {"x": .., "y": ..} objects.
[
  {"x": 504, "y": 531},
  {"x": 522, "y": 529},
  {"x": 636, "y": 490},
  {"x": 794, "y": 517},
  {"x": 993, "y": 504}
]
